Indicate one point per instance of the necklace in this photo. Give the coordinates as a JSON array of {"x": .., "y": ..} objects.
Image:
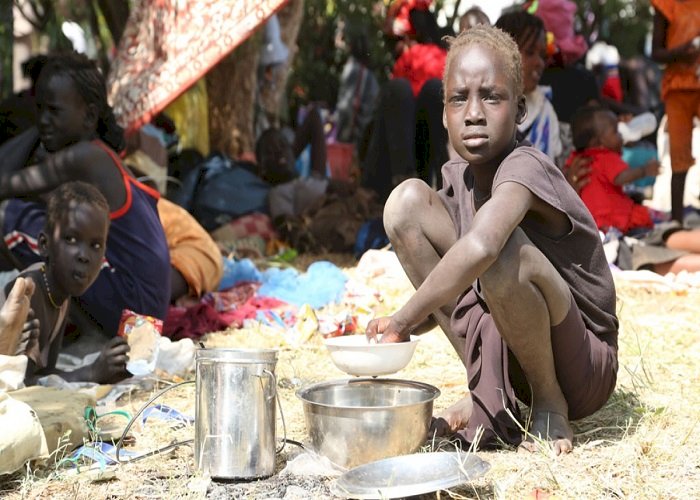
[{"x": 48, "y": 288}]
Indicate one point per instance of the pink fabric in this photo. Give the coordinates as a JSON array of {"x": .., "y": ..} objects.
[
  {"x": 192, "y": 322},
  {"x": 251, "y": 309},
  {"x": 221, "y": 310},
  {"x": 558, "y": 18}
]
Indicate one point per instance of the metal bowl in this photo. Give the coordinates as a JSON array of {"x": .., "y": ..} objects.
[
  {"x": 357, "y": 421},
  {"x": 354, "y": 355}
]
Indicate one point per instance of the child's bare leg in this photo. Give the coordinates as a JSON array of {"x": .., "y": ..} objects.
[
  {"x": 688, "y": 241},
  {"x": 689, "y": 263},
  {"x": 526, "y": 297},
  {"x": 421, "y": 231},
  {"x": 13, "y": 315}
]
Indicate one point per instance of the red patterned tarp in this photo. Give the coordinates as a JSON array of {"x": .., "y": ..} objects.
[{"x": 169, "y": 44}]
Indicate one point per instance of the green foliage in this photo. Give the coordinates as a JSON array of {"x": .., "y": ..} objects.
[
  {"x": 623, "y": 23},
  {"x": 6, "y": 41},
  {"x": 317, "y": 65}
]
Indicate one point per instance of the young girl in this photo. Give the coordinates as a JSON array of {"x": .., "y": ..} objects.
[
  {"x": 541, "y": 125},
  {"x": 73, "y": 247},
  {"x": 79, "y": 137}
]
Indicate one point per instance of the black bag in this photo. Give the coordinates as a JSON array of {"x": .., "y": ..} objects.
[{"x": 220, "y": 190}]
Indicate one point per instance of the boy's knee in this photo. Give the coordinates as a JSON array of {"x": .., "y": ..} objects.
[
  {"x": 400, "y": 208},
  {"x": 513, "y": 268}
]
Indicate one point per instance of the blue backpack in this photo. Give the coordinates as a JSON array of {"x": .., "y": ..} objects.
[{"x": 220, "y": 190}]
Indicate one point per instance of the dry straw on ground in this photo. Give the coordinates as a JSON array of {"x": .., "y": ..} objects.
[{"x": 642, "y": 444}]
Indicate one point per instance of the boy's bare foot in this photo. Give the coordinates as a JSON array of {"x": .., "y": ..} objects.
[
  {"x": 453, "y": 419},
  {"x": 551, "y": 426},
  {"x": 13, "y": 315}
]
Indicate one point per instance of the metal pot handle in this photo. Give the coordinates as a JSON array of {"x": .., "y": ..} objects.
[{"x": 279, "y": 405}]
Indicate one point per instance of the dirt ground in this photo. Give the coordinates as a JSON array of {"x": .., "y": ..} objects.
[{"x": 642, "y": 444}]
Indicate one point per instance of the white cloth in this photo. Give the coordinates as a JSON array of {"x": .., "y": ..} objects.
[
  {"x": 541, "y": 125},
  {"x": 12, "y": 371},
  {"x": 25, "y": 439}
]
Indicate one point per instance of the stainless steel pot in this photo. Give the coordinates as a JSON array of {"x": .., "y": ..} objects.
[
  {"x": 235, "y": 421},
  {"x": 357, "y": 421}
]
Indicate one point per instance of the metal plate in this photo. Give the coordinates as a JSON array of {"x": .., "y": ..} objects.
[{"x": 409, "y": 475}]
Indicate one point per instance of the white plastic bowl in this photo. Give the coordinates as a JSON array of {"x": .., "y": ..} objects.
[{"x": 355, "y": 356}]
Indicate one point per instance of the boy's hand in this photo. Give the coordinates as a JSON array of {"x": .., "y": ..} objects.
[
  {"x": 388, "y": 329},
  {"x": 110, "y": 366},
  {"x": 652, "y": 168}
]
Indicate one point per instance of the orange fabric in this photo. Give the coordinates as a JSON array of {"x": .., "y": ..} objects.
[
  {"x": 683, "y": 25},
  {"x": 681, "y": 108},
  {"x": 192, "y": 251}
]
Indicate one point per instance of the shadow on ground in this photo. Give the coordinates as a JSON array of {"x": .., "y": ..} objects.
[{"x": 617, "y": 419}]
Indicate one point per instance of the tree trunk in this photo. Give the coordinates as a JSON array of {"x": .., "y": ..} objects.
[
  {"x": 6, "y": 44},
  {"x": 232, "y": 84},
  {"x": 290, "y": 18},
  {"x": 231, "y": 93},
  {"x": 116, "y": 14}
]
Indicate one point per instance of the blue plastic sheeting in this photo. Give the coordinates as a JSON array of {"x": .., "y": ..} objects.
[
  {"x": 236, "y": 271},
  {"x": 322, "y": 283}
]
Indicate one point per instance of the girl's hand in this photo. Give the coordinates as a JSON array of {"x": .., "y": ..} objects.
[{"x": 110, "y": 366}]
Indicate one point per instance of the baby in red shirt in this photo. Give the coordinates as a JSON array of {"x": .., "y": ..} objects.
[{"x": 595, "y": 136}]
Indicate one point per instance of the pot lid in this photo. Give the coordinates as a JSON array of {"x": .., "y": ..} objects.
[{"x": 409, "y": 475}]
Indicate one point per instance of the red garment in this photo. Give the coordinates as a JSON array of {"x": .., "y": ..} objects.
[
  {"x": 608, "y": 204},
  {"x": 420, "y": 63},
  {"x": 192, "y": 322},
  {"x": 612, "y": 88},
  {"x": 231, "y": 298},
  {"x": 398, "y": 16},
  {"x": 251, "y": 309}
]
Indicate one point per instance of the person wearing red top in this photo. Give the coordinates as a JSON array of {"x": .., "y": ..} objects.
[
  {"x": 419, "y": 63},
  {"x": 595, "y": 135},
  {"x": 408, "y": 138}
]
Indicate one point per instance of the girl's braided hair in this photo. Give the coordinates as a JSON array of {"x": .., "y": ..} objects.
[
  {"x": 90, "y": 85},
  {"x": 522, "y": 26},
  {"x": 72, "y": 194}
]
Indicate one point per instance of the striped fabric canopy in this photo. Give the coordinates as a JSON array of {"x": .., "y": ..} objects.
[{"x": 169, "y": 44}]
